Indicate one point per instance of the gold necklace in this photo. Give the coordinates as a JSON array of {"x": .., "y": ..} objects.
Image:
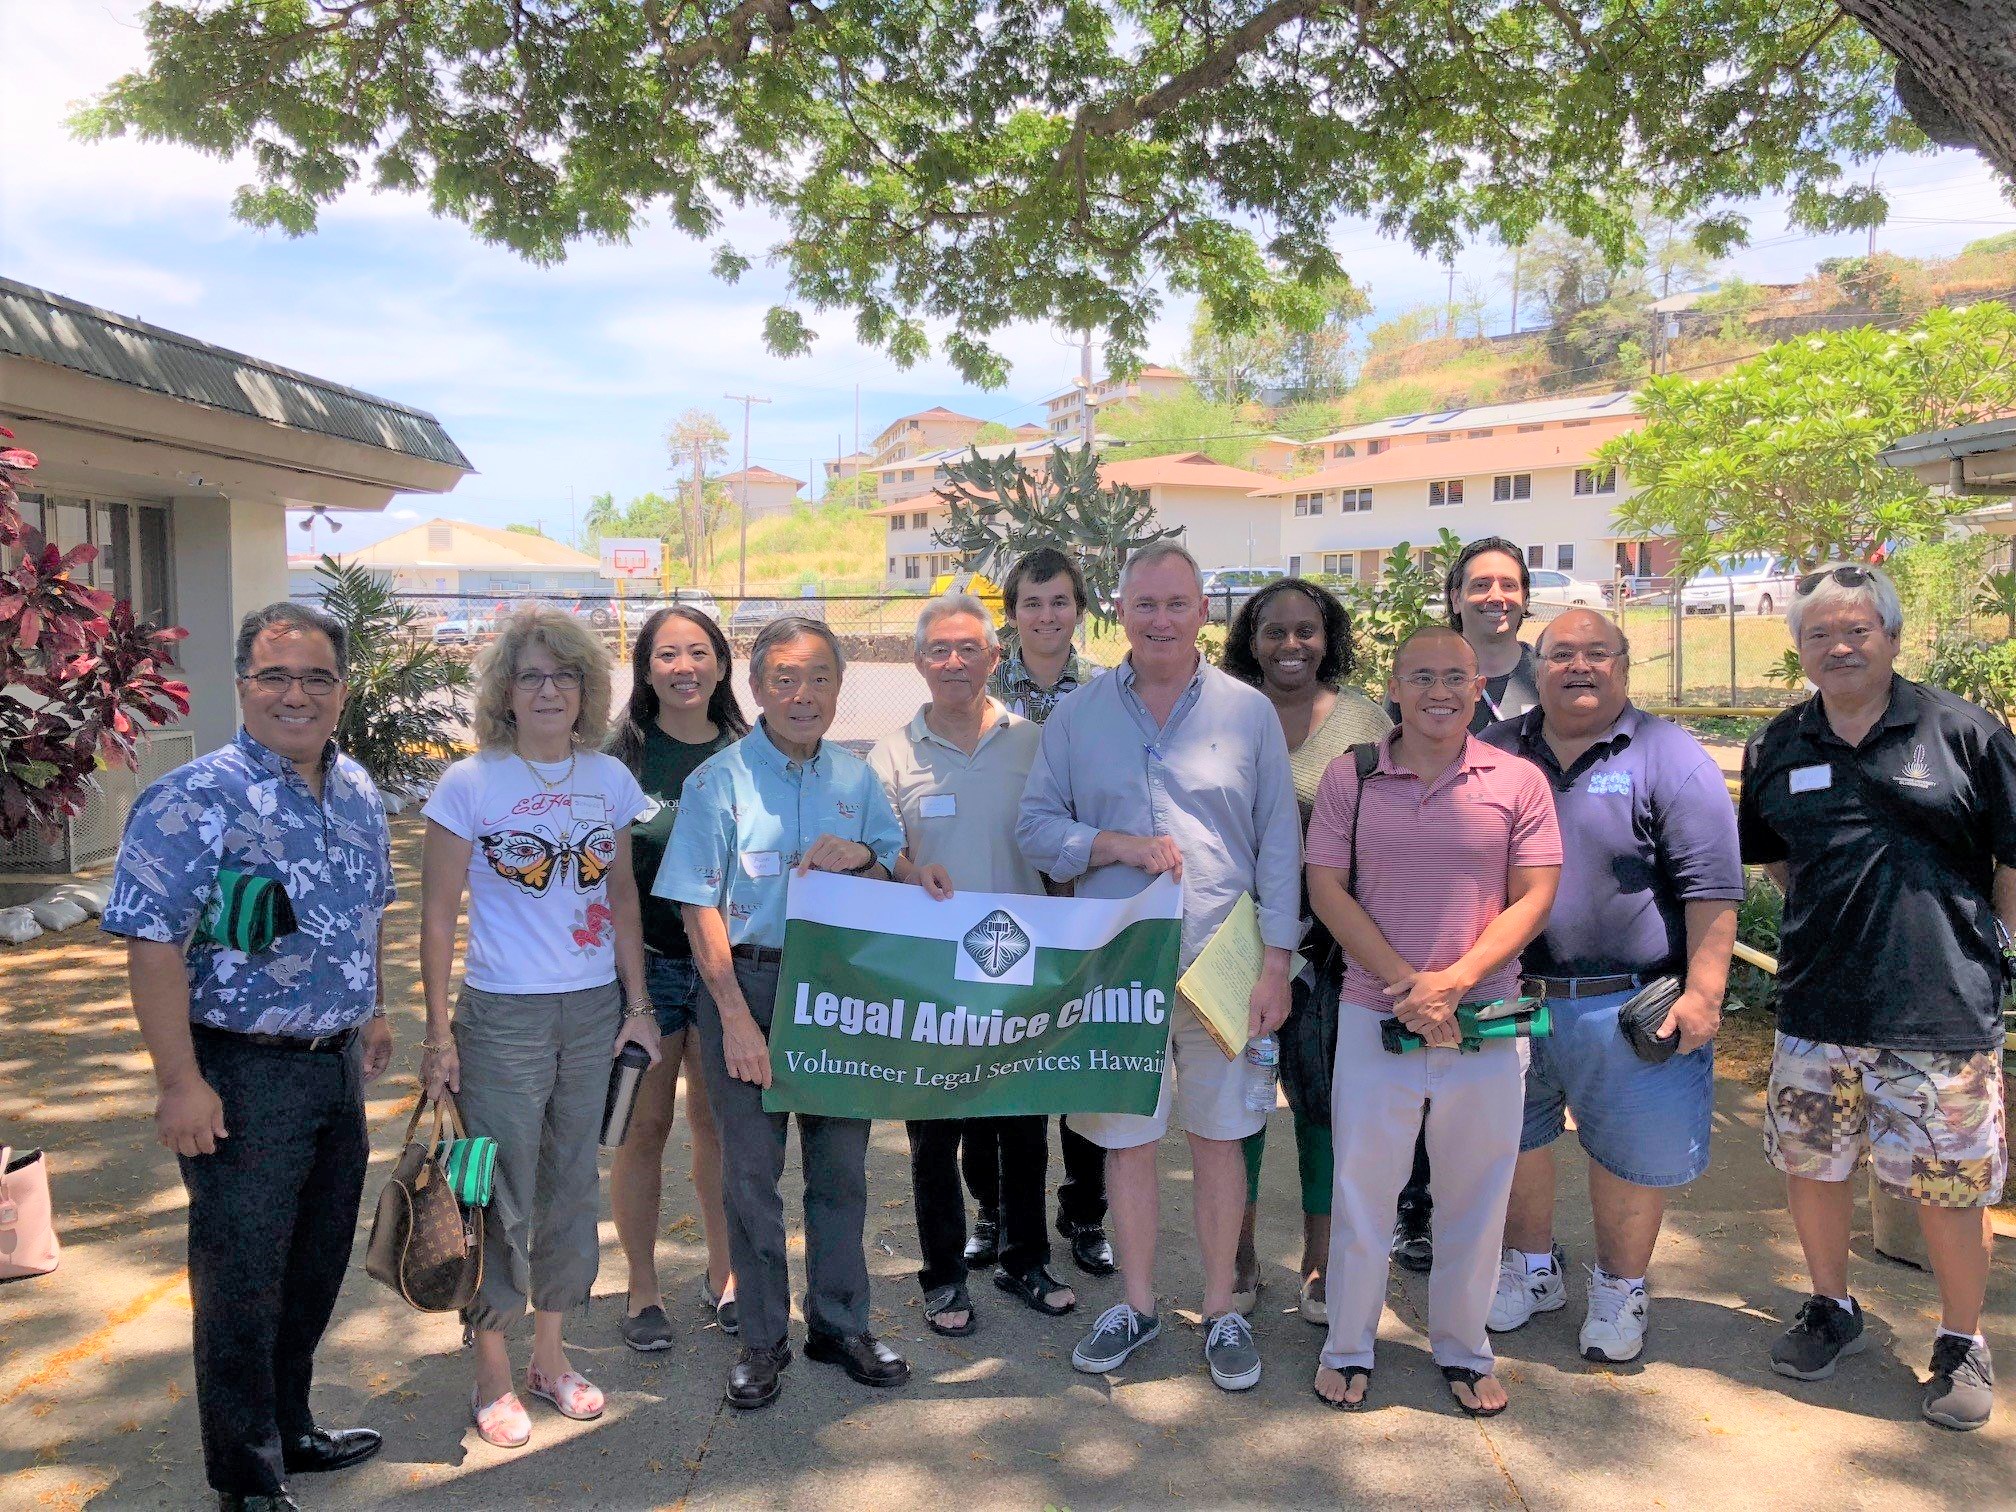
[{"x": 565, "y": 780}]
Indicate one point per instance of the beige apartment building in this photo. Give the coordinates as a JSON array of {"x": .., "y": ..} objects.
[
  {"x": 1073, "y": 412},
  {"x": 770, "y": 493}
]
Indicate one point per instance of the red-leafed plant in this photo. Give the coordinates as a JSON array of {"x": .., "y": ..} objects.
[{"x": 78, "y": 678}]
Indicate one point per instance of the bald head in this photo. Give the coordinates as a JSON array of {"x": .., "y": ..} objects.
[
  {"x": 1585, "y": 674},
  {"x": 1581, "y": 627}
]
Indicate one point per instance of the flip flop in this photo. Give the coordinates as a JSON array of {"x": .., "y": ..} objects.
[
  {"x": 504, "y": 1424},
  {"x": 950, "y": 1299},
  {"x": 1457, "y": 1375},
  {"x": 1362, "y": 1372},
  {"x": 573, "y": 1395}
]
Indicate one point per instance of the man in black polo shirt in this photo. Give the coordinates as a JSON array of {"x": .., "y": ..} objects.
[{"x": 1886, "y": 810}]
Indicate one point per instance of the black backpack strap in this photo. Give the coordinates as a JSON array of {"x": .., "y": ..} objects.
[{"x": 1365, "y": 761}]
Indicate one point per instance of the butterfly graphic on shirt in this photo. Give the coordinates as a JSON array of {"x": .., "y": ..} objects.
[{"x": 531, "y": 860}]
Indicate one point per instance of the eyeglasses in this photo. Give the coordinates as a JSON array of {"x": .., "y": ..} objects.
[
  {"x": 1848, "y": 576},
  {"x": 314, "y": 684},
  {"x": 937, "y": 654},
  {"x": 1451, "y": 680},
  {"x": 564, "y": 681},
  {"x": 1598, "y": 657}
]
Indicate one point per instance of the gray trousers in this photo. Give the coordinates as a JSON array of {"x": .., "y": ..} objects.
[
  {"x": 1474, "y": 1107},
  {"x": 834, "y": 1154},
  {"x": 535, "y": 1075}
]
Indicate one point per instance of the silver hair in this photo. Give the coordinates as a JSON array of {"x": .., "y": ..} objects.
[
  {"x": 299, "y": 618},
  {"x": 781, "y": 631},
  {"x": 1154, "y": 552},
  {"x": 954, "y": 603},
  {"x": 1875, "y": 589}
]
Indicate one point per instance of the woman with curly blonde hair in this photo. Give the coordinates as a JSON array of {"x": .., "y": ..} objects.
[{"x": 536, "y": 826}]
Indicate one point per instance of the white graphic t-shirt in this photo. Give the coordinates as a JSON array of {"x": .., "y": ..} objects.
[{"x": 543, "y": 838}]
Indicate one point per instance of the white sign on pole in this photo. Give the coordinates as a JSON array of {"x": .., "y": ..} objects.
[{"x": 631, "y": 557}]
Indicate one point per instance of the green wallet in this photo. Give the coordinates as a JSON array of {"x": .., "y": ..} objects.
[
  {"x": 249, "y": 913},
  {"x": 1478, "y": 1023},
  {"x": 471, "y": 1168}
]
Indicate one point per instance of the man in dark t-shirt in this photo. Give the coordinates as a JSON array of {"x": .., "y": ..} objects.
[{"x": 1886, "y": 810}]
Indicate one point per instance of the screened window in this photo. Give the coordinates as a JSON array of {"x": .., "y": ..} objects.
[{"x": 1445, "y": 492}]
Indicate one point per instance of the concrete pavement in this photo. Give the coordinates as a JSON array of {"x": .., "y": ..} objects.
[{"x": 96, "y": 1391}]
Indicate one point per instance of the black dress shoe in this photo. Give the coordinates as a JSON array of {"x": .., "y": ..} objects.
[
  {"x": 276, "y": 1501},
  {"x": 1090, "y": 1251},
  {"x": 319, "y": 1449},
  {"x": 1412, "y": 1246},
  {"x": 863, "y": 1356},
  {"x": 983, "y": 1248},
  {"x": 756, "y": 1377}
]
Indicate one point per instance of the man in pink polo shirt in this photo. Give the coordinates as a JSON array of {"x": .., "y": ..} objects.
[{"x": 1453, "y": 872}]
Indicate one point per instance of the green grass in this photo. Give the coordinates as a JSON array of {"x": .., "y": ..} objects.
[{"x": 834, "y": 549}]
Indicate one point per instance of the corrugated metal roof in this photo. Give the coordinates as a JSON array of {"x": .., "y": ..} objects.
[{"x": 49, "y": 328}]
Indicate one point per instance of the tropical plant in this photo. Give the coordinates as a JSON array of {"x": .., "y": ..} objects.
[
  {"x": 78, "y": 677},
  {"x": 1788, "y": 671},
  {"x": 982, "y": 165},
  {"x": 1981, "y": 672},
  {"x": 1997, "y": 595},
  {"x": 1759, "y": 921},
  {"x": 999, "y": 509},
  {"x": 1782, "y": 455},
  {"x": 406, "y": 695},
  {"x": 1406, "y": 595}
]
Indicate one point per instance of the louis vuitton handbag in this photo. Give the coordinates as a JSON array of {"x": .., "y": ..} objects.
[{"x": 426, "y": 1241}]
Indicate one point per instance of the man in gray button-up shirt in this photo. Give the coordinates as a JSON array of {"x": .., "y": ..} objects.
[{"x": 1171, "y": 766}]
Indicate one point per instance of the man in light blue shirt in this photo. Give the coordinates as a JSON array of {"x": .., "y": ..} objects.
[
  {"x": 1169, "y": 765},
  {"x": 780, "y": 800}
]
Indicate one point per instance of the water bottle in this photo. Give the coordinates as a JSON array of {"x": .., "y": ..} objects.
[
  {"x": 624, "y": 1079},
  {"x": 1263, "y": 1060}
]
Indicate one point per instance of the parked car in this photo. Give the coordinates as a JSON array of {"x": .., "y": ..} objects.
[
  {"x": 638, "y": 610},
  {"x": 1750, "y": 585},
  {"x": 1566, "y": 590},
  {"x": 752, "y": 615},
  {"x": 1226, "y": 588},
  {"x": 461, "y": 631}
]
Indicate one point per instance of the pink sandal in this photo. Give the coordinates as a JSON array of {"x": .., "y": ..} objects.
[
  {"x": 504, "y": 1424},
  {"x": 572, "y": 1395}
]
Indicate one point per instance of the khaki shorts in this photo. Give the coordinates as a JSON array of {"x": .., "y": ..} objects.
[
  {"x": 1206, "y": 1091},
  {"x": 1931, "y": 1121}
]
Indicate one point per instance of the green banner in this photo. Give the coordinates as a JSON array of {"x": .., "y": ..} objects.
[{"x": 892, "y": 1004}]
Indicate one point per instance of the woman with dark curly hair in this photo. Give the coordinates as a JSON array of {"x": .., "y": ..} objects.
[
  {"x": 682, "y": 710},
  {"x": 1292, "y": 641}
]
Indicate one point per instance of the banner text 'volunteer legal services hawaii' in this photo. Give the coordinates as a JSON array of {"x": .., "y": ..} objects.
[{"x": 892, "y": 1004}]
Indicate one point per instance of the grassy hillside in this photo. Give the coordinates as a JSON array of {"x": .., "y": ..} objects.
[{"x": 835, "y": 548}]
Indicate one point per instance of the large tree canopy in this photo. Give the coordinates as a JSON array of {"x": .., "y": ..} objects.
[{"x": 973, "y": 163}]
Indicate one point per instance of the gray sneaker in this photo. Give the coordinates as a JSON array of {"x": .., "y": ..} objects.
[
  {"x": 649, "y": 1330},
  {"x": 1118, "y": 1333},
  {"x": 1231, "y": 1353},
  {"x": 1961, "y": 1392}
]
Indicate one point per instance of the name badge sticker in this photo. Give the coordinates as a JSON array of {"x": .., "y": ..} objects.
[
  {"x": 1812, "y": 779},
  {"x": 762, "y": 863},
  {"x": 590, "y": 808},
  {"x": 938, "y": 806}
]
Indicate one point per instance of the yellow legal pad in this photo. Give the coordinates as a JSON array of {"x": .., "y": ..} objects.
[{"x": 1219, "y": 984}]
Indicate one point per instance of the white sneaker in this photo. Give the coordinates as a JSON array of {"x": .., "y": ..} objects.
[
  {"x": 1521, "y": 1295},
  {"x": 1614, "y": 1330}
]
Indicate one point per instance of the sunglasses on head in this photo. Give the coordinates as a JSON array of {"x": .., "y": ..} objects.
[{"x": 1849, "y": 576}]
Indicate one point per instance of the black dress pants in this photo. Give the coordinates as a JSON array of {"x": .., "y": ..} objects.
[
  {"x": 1081, "y": 1196},
  {"x": 1023, "y": 1146},
  {"x": 271, "y": 1218}
]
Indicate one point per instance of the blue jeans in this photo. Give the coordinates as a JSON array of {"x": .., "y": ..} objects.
[
  {"x": 1642, "y": 1123},
  {"x": 673, "y": 984}
]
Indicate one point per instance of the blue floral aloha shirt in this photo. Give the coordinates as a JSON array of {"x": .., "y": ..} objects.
[{"x": 245, "y": 808}]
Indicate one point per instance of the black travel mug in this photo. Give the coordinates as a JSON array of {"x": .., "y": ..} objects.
[{"x": 624, "y": 1079}]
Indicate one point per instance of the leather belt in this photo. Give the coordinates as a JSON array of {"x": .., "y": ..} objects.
[
  {"x": 322, "y": 1044},
  {"x": 1588, "y": 986},
  {"x": 757, "y": 955}
]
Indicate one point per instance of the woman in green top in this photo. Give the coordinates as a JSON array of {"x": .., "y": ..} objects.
[
  {"x": 1292, "y": 641},
  {"x": 682, "y": 710}
]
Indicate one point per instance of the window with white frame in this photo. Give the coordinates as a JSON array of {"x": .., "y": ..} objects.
[
  {"x": 1444, "y": 493},
  {"x": 1353, "y": 500},
  {"x": 1564, "y": 558},
  {"x": 910, "y": 568},
  {"x": 909, "y": 475},
  {"x": 1595, "y": 480},
  {"x": 1509, "y": 486},
  {"x": 1342, "y": 564},
  {"x": 919, "y": 521},
  {"x": 1308, "y": 504},
  {"x": 1536, "y": 556}
]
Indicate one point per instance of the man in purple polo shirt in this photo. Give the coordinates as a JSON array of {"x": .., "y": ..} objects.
[{"x": 1649, "y": 888}]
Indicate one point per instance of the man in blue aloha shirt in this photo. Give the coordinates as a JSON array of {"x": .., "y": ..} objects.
[{"x": 251, "y": 888}]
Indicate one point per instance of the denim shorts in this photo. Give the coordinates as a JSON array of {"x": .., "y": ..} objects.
[
  {"x": 674, "y": 986},
  {"x": 1646, "y": 1124}
]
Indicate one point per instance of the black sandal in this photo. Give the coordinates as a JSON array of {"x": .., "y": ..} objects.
[
  {"x": 950, "y": 1299},
  {"x": 1462, "y": 1375},
  {"x": 1350, "y": 1373},
  {"x": 1036, "y": 1286}
]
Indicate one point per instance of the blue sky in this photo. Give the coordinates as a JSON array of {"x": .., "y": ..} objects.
[{"x": 563, "y": 380}]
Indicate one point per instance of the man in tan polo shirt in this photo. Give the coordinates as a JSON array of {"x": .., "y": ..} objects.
[{"x": 955, "y": 775}]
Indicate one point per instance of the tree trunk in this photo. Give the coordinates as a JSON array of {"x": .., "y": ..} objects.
[{"x": 1956, "y": 68}]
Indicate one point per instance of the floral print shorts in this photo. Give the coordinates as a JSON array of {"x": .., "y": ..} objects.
[{"x": 1932, "y": 1121}]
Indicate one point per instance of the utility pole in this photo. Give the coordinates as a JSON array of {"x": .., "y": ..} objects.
[
  {"x": 742, "y": 566},
  {"x": 1085, "y": 389},
  {"x": 1871, "y": 252},
  {"x": 1515, "y": 290},
  {"x": 1449, "y": 309}
]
